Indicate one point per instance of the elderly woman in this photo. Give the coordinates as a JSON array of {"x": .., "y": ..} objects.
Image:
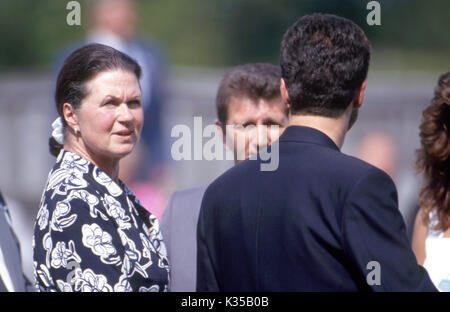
[{"x": 91, "y": 233}]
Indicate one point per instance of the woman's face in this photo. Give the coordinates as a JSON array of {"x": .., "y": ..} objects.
[{"x": 110, "y": 116}]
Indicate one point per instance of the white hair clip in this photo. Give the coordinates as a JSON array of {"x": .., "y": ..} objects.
[{"x": 57, "y": 132}]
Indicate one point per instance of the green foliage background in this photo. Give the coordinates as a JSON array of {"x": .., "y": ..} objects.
[{"x": 414, "y": 34}]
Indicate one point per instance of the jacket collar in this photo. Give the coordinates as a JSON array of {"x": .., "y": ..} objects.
[
  {"x": 307, "y": 135},
  {"x": 83, "y": 172}
]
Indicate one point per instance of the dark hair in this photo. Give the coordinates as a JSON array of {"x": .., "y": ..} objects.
[
  {"x": 254, "y": 81},
  {"x": 81, "y": 66},
  {"x": 324, "y": 59},
  {"x": 433, "y": 156}
]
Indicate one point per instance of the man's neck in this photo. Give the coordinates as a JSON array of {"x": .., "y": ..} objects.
[{"x": 334, "y": 128}]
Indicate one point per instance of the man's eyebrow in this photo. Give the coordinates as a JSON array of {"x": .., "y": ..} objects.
[
  {"x": 246, "y": 121},
  {"x": 271, "y": 120}
]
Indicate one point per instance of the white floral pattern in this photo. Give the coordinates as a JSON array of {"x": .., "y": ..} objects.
[
  {"x": 44, "y": 276},
  {"x": 61, "y": 254},
  {"x": 91, "y": 200},
  {"x": 92, "y": 234},
  {"x": 42, "y": 217},
  {"x": 88, "y": 281},
  {"x": 154, "y": 288},
  {"x": 59, "y": 221},
  {"x": 123, "y": 285},
  {"x": 64, "y": 286},
  {"x": 103, "y": 179},
  {"x": 69, "y": 175},
  {"x": 115, "y": 210},
  {"x": 100, "y": 242}
]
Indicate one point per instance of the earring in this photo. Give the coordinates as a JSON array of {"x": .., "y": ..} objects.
[{"x": 75, "y": 130}]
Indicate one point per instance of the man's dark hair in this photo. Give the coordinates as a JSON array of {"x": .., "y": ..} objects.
[
  {"x": 254, "y": 81},
  {"x": 324, "y": 59}
]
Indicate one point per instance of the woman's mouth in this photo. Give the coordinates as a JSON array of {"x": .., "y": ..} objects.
[{"x": 124, "y": 133}]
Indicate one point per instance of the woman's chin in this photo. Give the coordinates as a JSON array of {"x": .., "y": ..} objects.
[{"x": 123, "y": 151}]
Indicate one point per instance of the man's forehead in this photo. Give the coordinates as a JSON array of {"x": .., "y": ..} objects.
[
  {"x": 244, "y": 109},
  {"x": 242, "y": 104}
]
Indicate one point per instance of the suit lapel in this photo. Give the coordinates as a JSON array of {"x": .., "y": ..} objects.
[
  {"x": 2, "y": 286},
  {"x": 10, "y": 250}
]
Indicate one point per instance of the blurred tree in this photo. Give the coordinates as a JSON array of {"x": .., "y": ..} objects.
[
  {"x": 32, "y": 31},
  {"x": 18, "y": 43},
  {"x": 224, "y": 33},
  {"x": 415, "y": 24}
]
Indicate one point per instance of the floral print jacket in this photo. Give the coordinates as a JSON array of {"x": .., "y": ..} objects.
[{"x": 92, "y": 234}]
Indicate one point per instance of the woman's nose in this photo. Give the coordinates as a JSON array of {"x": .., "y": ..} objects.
[{"x": 124, "y": 113}]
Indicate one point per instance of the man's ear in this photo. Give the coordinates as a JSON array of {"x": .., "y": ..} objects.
[
  {"x": 284, "y": 93},
  {"x": 359, "y": 95},
  {"x": 70, "y": 116},
  {"x": 221, "y": 128}
]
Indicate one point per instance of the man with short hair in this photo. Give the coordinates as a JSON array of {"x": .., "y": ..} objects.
[
  {"x": 323, "y": 221},
  {"x": 249, "y": 107}
]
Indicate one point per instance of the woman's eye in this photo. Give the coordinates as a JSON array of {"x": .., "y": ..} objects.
[{"x": 134, "y": 103}]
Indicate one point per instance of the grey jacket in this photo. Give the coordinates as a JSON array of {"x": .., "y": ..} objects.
[{"x": 179, "y": 229}]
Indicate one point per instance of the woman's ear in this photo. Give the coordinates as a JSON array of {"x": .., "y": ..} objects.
[{"x": 70, "y": 116}]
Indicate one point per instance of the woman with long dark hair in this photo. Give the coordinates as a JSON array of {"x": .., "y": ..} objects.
[{"x": 431, "y": 237}]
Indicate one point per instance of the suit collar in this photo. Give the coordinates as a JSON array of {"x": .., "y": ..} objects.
[{"x": 307, "y": 135}]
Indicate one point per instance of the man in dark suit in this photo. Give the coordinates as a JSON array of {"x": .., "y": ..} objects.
[
  {"x": 248, "y": 95},
  {"x": 322, "y": 221},
  {"x": 11, "y": 274}
]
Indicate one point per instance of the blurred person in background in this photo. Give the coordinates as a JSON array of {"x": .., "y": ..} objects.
[
  {"x": 150, "y": 195},
  {"x": 114, "y": 23},
  {"x": 11, "y": 274},
  {"x": 247, "y": 95},
  {"x": 431, "y": 243},
  {"x": 378, "y": 148},
  {"x": 91, "y": 233}
]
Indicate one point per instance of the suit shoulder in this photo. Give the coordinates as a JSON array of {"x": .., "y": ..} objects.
[
  {"x": 186, "y": 197},
  {"x": 233, "y": 175},
  {"x": 357, "y": 169},
  {"x": 225, "y": 185},
  {"x": 183, "y": 204},
  {"x": 370, "y": 182},
  {"x": 190, "y": 192}
]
